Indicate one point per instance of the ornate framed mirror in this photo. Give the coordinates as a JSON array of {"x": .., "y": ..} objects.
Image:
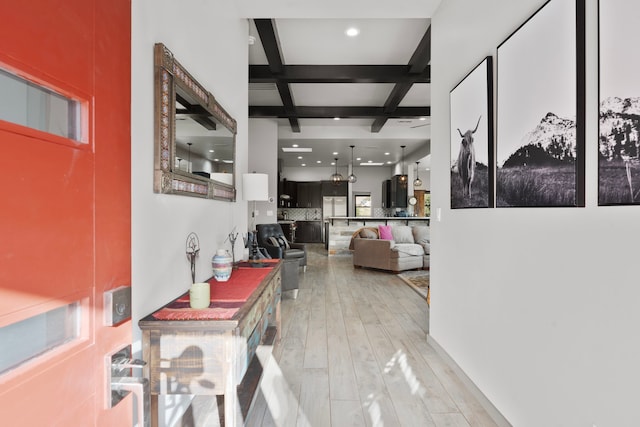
[{"x": 195, "y": 138}]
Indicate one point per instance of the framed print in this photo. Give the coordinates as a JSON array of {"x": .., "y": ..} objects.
[
  {"x": 619, "y": 124},
  {"x": 541, "y": 109},
  {"x": 471, "y": 103}
]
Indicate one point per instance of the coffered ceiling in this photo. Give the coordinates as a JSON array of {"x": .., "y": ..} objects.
[{"x": 306, "y": 73}]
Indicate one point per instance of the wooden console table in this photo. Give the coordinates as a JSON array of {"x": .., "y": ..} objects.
[{"x": 208, "y": 351}]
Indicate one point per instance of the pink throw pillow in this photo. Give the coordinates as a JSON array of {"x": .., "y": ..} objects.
[{"x": 385, "y": 232}]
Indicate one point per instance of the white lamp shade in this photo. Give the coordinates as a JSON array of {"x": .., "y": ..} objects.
[{"x": 255, "y": 186}]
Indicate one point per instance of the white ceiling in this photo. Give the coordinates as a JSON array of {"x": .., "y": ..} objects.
[{"x": 324, "y": 42}]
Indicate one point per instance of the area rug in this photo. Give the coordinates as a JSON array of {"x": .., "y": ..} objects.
[{"x": 419, "y": 282}]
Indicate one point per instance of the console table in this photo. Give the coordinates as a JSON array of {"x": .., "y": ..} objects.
[{"x": 208, "y": 351}]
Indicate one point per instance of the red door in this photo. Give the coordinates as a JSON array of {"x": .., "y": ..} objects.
[{"x": 65, "y": 212}]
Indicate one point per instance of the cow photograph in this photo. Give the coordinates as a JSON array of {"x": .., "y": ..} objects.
[
  {"x": 619, "y": 124},
  {"x": 471, "y": 103},
  {"x": 540, "y": 134}
]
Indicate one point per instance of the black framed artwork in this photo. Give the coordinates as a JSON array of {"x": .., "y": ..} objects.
[
  {"x": 619, "y": 112},
  {"x": 471, "y": 104},
  {"x": 541, "y": 109}
]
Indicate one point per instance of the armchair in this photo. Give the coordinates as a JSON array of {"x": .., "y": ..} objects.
[{"x": 272, "y": 238}]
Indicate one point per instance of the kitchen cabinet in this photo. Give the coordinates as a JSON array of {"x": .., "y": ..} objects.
[
  {"x": 330, "y": 188},
  {"x": 309, "y": 231},
  {"x": 290, "y": 189},
  {"x": 386, "y": 193},
  {"x": 309, "y": 195},
  {"x": 398, "y": 192}
]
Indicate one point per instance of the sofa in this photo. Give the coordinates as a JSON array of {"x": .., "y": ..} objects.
[{"x": 393, "y": 248}]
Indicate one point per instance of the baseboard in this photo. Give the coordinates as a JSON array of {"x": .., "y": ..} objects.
[{"x": 493, "y": 412}]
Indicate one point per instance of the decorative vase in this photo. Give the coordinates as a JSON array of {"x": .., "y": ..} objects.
[{"x": 222, "y": 265}]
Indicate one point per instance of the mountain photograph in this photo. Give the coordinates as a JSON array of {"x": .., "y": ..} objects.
[
  {"x": 542, "y": 169},
  {"x": 619, "y": 151}
]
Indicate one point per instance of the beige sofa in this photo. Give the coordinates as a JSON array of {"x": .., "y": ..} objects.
[{"x": 410, "y": 249}]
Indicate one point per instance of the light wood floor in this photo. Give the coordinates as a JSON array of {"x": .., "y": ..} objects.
[{"x": 354, "y": 352}]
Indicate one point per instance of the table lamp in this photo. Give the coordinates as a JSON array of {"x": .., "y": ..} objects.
[{"x": 255, "y": 186}]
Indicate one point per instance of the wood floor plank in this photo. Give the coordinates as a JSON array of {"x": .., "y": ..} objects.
[
  {"x": 315, "y": 408},
  {"x": 347, "y": 413}
]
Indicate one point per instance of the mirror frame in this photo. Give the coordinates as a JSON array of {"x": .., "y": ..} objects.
[{"x": 169, "y": 73}]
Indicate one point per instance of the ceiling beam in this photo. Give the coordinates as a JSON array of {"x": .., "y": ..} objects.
[
  {"x": 331, "y": 112},
  {"x": 418, "y": 63},
  {"x": 338, "y": 74},
  {"x": 271, "y": 44}
]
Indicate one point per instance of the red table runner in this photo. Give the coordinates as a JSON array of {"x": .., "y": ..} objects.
[{"x": 226, "y": 297}]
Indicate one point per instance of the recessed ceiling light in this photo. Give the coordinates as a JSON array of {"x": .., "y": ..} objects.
[
  {"x": 211, "y": 151},
  {"x": 389, "y": 162},
  {"x": 335, "y": 153},
  {"x": 336, "y": 118},
  {"x": 299, "y": 157},
  {"x": 386, "y": 154},
  {"x": 294, "y": 145},
  {"x": 318, "y": 161},
  {"x": 370, "y": 163},
  {"x": 358, "y": 158},
  {"x": 352, "y": 31},
  {"x": 423, "y": 118},
  {"x": 304, "y": 164},
  {"x": 297, "y": 150}
]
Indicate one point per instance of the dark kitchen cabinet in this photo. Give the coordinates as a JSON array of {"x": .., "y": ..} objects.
[
  {"x": 308, "y": 231},
  {"x": 330, "y": 188},
  {"x": 289, "y": 189},
  {"x": 386, "y": 193},
  {"x": 309, "y": 195},
  {"x": 398, "y": 192}
]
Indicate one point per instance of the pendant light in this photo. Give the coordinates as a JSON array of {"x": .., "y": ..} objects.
[
  {"x": 336, "y": 177},
  {"x": 418, "y": 181},
  {"x": 403, "y": 178},
  {"x": 352, "y": 178}
]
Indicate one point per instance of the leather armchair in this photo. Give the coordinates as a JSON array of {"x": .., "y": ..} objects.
[{"x": 295, "y": 251}]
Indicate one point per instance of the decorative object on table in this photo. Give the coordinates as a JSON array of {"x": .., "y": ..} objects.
[
  {"x": 193, "y": 248},
  {"x": 222, "y": 264},
  {"x": 541, "y": 128},
  {"x": 200, "y": 295},
  {"x": 472, "y": 165},
  {"x": 619, "y": 149},
  {"x": 232, "y": 239},
  {"x": 255, "y": 187}
]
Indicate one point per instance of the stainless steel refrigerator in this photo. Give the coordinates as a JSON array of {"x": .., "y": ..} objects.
[{"x": 332, "y": 206}]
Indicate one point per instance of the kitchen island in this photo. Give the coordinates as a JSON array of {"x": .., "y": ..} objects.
[{"x": 338, "y": 230}]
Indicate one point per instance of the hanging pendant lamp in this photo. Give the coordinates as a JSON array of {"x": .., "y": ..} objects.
[
  {"x": 336, "y": 177},
  {"x": 418, "y": 181},
  {"x": 403, "y": 178},
  {"x": 352, "y": 178}
]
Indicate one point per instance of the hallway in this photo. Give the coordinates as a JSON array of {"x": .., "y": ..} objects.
[
  {"x": 350, "y": 357},
  {"x": 354, "y": 353}
]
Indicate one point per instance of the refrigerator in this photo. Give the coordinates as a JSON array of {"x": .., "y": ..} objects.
[{"x": 332, "y": 206}]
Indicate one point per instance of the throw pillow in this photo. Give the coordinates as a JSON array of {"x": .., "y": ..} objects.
[
  {"x": 422, "y": 237},
  {"x": 385, "y": 232},
  {"x": 283, "y": 243},
  {"x": 402, "y": 234},
  {"x": 274, "y": 241},
  {"x": 367, "y": 233}
]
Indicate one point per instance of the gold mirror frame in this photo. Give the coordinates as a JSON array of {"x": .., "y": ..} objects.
[{"x": 169, "y": 179}]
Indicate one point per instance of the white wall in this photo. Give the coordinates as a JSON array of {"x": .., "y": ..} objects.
[
  {"x": 537, "y": 306},
  {"x": 210, "y": 40},
  {"x": 263, "y": 158}
]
